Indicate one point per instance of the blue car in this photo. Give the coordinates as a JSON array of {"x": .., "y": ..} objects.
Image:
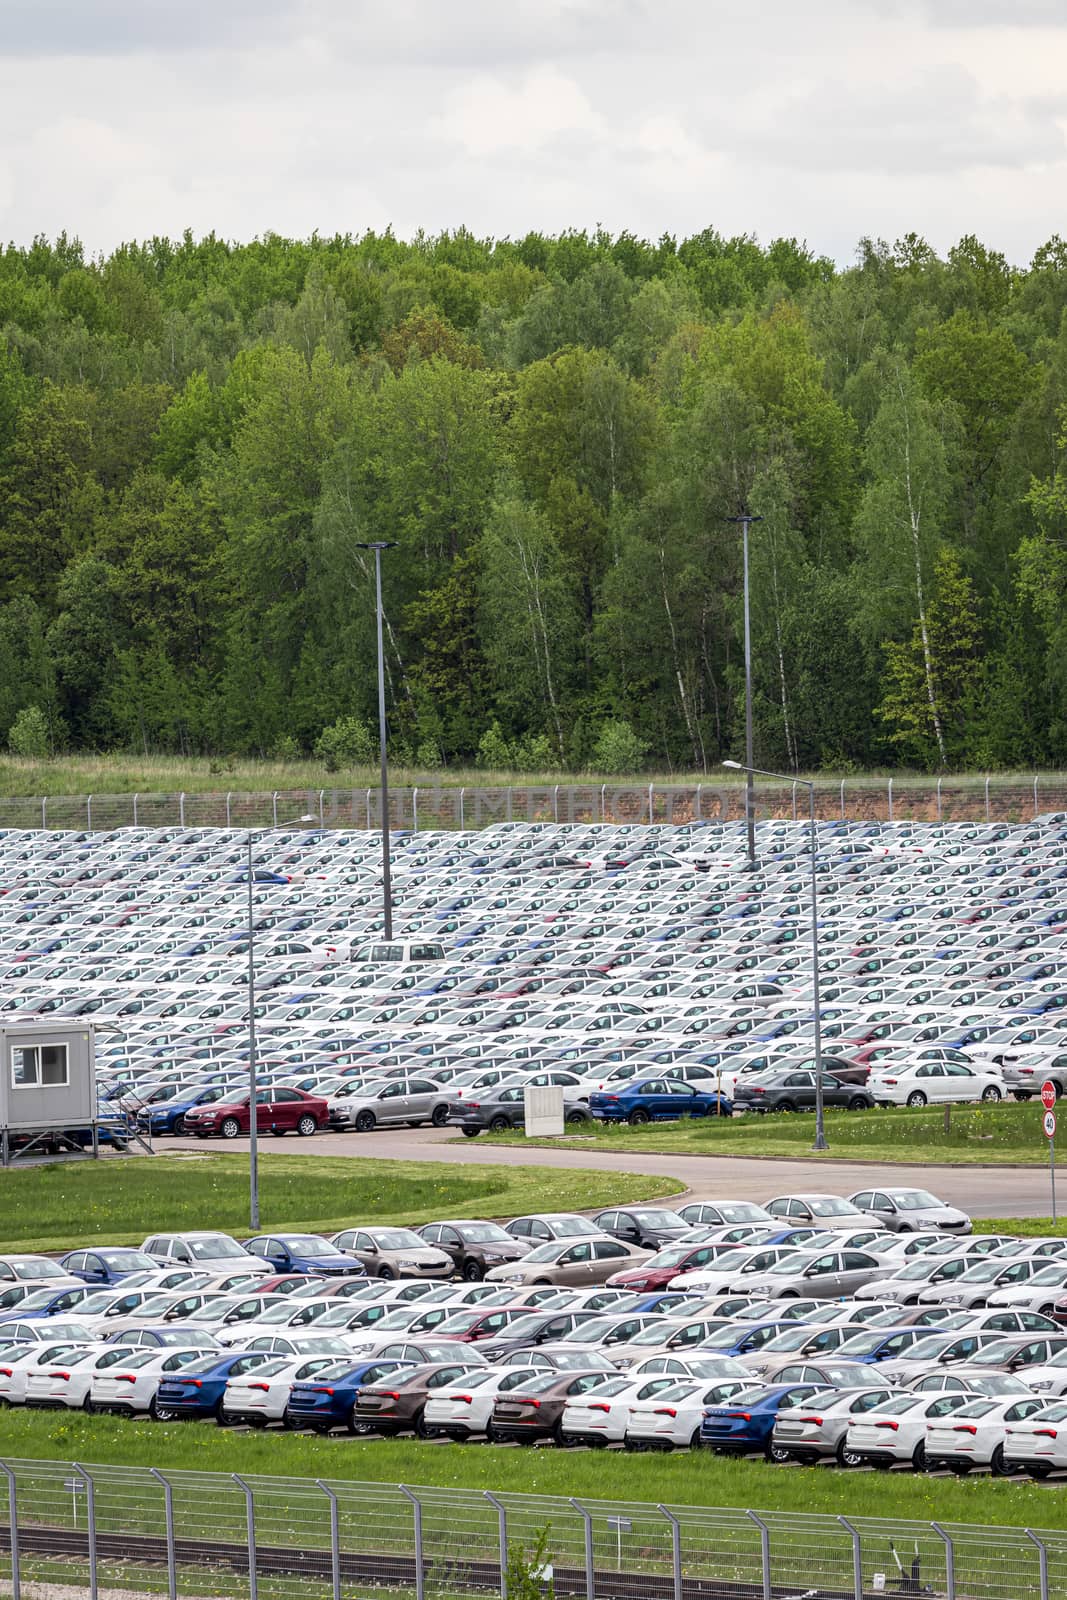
[
  {"x": 305, "y": 1252},
  {"x": 657, "y": 1100},
  {"x": 197, "y": 1390},
  {"x": 326, "y": 1401},
  {"x": 107, "y": 1264},
  {"x": 745, "y": 1424},
  {"x": 168, "y": 1116}
]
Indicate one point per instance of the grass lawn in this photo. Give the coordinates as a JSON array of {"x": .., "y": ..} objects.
[
  {"x": 984, "y": 1135},
  {"x": 117, "y": 1201},
  {"x": 680, "y": 1479}
]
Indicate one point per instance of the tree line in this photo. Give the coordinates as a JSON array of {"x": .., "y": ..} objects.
[{"x": 197, "y": 435}]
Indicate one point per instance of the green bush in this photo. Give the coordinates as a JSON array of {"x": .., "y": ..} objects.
[
  {"x": 346, "y": 743},
  {"x": 618, "y": 749},
  {"x": 428, "y": 756},
  {"x": 29, "y": 735},
  {"x": 493, "y": 749}
]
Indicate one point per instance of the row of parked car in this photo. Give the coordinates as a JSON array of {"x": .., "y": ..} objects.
[
  {"x": 876, "y": 1329},
  {"x": 647, "y": 971}
]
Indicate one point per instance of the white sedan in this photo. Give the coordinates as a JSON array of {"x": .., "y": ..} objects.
[
  {"x": 66, "y": 1381},
  {"x": 920, "y": 1083},
  {"x": 1038, "y": 1293},
  {"x": 130, "y": 1386},
  {"x": 15, "y": 1369},
  {"x": 1049, "y": 1377},
  {"x": 974, "y": 1436},
  {"x": 261, "y": 1395},
  {"x": 602, "y": 1415},
  {"x": 671, "y": 1420},
  {"x": 897, "y": 1431},
  {"x": 1038, "y": 1446},
  {"x": 467, "y": 1409}
]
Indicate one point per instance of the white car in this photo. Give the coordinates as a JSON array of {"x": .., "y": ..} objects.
[
  {"x": 130, "y": 1386},
  {"x": 65, "y": 1382},
  {"x": 1038, "y": 1293},
  {"x": 817, "y": 1430},
  {"x": 974, "y": 1436},
  {"x": 896, "y": 1431},
  {"x": 206, "y": 1249},
  {"x": 261, "y": 1396},
  {"x": 920, "y": 1083},
  {"x": 1038, "y": 1446},
  {"x": 15, "y": 1369},
  {"x": 466, "y": 1409},
  {"x": 743, "y": 1274},
  {"x": 601, "y": 1416},
  {"x": 671, "y": 1419}
]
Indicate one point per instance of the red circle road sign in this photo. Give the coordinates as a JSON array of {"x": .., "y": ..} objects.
[
  {"x": 1049, "y": 1122},
  {"x": 1048, "y": 1095}
]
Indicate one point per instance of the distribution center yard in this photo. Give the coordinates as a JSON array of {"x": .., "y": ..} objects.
[{"x": 121, "y": 1201}]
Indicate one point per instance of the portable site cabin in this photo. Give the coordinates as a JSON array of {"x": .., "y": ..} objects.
[{"x": 47, "y": 1085}]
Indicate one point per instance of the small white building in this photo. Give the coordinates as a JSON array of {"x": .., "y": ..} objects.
[{"x": 47, "y": 1084}]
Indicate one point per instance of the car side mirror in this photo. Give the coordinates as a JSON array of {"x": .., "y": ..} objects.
[{"x": 372, "y": 1249}]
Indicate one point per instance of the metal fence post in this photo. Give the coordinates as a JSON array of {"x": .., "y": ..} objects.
[
  {"x": 250, "y": 1518},
  {"x": 273, "y": 809},
  {"x": 857, "y": 1557},
  {"x": 842, "y": 799},
  {"x": 696, "y": 805},
  {"x": 1042, "y": 1562},
  {"x": 987, "y": 797},
  {"x": 939, "y": 799},
  {"x": 765, "y": 1552},
  {"x": 44, "y": 811},
  {"x": 509, "y": 802},
  {"x": 676, "y": 1549},
  {"x": 651, "y": 804},
  {"x": 890, "y": 799},
  {"x": 950, "y": 1561},
  {"x": 88, "y": 812},
  {"x": 13, "y": 1522},
  {"x": 181, "y": 809},
  {"x": 420, "y": 1557},
  {"x": 603, "y": 802},
  {"x": 335, "y": 1539},
  {"x": 322, "y": 796},
  {"x": 90, "y": 1510},
  {"x": 590, "y": 1570},
  {"x": 1035, "y": 795},
  {"x": 135, "y": 811},
  {"x": 228, "y": 797},
  {"x": 168, "y": 1514},
  {"x": 415, "y": 809},
  {"x": 794, "y": 802},
  {"x": 462, "y": 792},
  {"x": 502, "y": 1524},
  {"x": 555, "y": 804},
  {"x": 368, "y": 809}
]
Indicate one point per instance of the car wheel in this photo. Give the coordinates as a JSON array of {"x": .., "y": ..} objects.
[
  {"x": 161, "y": 1413},
  {"x": 364, "y": 1121},
  {"x": 991, "y": 1093},
  {"x": 279, "y": 1133},
  {"x": 423, "y": 1429},
  {"x": 859, "y": 1102},
  {"x": 153, "y": 1409},
  {"x": 694, "y": 1439},
  {"x": 846, "y": 1457},
  {"x": 997, "y": 1464},
  {"x": 439, "y": 1116},
  {"x": 307, "y": 1125},
  {"x": 1015, "y": 1094},
  {"x": 776, "y": 1452},
  {"x": 918, "y": 1456},
  {"x": 221, "y": 1419},
  {"x": 785, "y": 1105},
  {"x": 576, "y": 1116},
  {"x": 471, "y": 1133},
  {"x": 916, "y": 1098},
  {"x": 499, "y": 1125},
  {"x": 289, "y": 1421},
  {"x": 1034, "y": 1469},
  {"x": 473, "y": 1271},
  {"x": 230, "y": 1128},
  {"x": 386, "y": 1273},
  {"x": 636, "y": 1118},
  {"x": 177, "y": 1127},
  {"x": 491, "y": 1435},
  {"x": 87, "y": 1406}
]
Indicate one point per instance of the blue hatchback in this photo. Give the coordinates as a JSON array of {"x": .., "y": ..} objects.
[
  {"x": 746, "y": 1423},
  {"x": 168, "y": 1116},
  {"x": 657, "y": 1100},
  {"x": 105, "y": 1264},
  {"x": 305, "y": 1252},
  {"x": 326, "y": 1401},
  {"x": 197, "y": 1390}
]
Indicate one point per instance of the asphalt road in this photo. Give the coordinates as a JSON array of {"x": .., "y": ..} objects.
[{"x": 982, "y": 1191}]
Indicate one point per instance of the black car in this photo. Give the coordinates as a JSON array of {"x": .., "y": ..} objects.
[
  {"x": 648, "y": 1226},
  {"x": 795, "y": 1091},
  {"x": 536, "y": 1328},
  {"x": 474, "y": 1245}
]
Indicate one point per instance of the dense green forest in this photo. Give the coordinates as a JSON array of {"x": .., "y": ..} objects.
[{"x": 196, "y": 435}]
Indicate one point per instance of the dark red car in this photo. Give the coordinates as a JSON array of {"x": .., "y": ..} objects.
[
  {"x": 662, "y": 1268},
  {"x": 468, "y": 1326},
  {"x": 278, "y": 1111}
]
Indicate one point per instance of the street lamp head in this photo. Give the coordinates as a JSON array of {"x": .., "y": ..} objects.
[
  {"x": 735, "y": 766},
  {"x": 307, "y": 817},
  {"x": 379, "y": 544}
]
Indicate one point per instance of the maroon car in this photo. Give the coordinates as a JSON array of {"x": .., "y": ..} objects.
[
  {"x": 533, "y": 1410},
  {"x": 662, "y": 1268},
  {"x": 278, "y": 1111}
]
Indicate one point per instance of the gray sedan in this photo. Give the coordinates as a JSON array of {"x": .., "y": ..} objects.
[
  {"x": 385, "y": 1104},
  {"x": 826, "y": 1276},
  {"x": 818, "y": 1429},
  {"x": 909, "y": 1210}
]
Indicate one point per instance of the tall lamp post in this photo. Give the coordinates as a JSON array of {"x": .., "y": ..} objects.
[
  {"x": 387, "y": 887},
  {"x": 780, "y": 777},
  {"x": 746, "y": 520},
  {"x": 253, "y": 1131}
]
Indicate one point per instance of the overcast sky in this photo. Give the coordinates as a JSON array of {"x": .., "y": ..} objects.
[{"x": 120, "y": 119}]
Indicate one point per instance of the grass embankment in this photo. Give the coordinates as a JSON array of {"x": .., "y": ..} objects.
[
  {"x": 121, "y": 1201},
  {"x": 1008, "y": 1134},
  {"x": 679, "y": 1479}
]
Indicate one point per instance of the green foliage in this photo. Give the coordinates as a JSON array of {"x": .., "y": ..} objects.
[
  {"x": 198, "y": 438},
  {"x": 618, "y": 749},
  {"x": 29, "y": 734},
  {"x": 345, "y": 743},
  {"x": 524, "y": 1570}
]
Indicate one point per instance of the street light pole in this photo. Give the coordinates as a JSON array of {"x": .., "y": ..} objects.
[
  {"x": 387, "y": 886},
  {"x": 758, "y": 772},
  {"x": 746, "y": 520}
]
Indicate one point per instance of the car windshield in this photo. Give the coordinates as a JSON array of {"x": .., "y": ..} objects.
[
  {"x": 397, "y": 1239},
  {"x": 1049, "y": 1275},
  {"x": 574, "y": 1227},
  {"x": 789, "y": 1266},
  {"x": 741, "y": 1211},
  {"x": 829, "y": 1205},
  {"x": 929, "y": 1349},
  {"x": 545, "y": 1253},
  {"x": 794, "y": 1339},
  {"x": 175, "y": 1336},
  {"x": 660, "y": 1219},
  {"x": 861, "y": 1344},
  {"x": 984, "y": 1272},
  {"x": 42, "y": 1298},
  {"x": 204, "y": 1364},
  {"x": 217, "y": 1248},
  {"x": 897, "y": 1407},
  {"x": 914, "y": 1200},
  {"x": 485, "y": 1233},
  {"x": 28, "y": 1270},
  {"x": 309, "y": 1244}
]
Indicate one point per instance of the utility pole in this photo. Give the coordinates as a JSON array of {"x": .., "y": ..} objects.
[
  {"x": 745, "y": 519},
  {"x": 387, "y": 884}
]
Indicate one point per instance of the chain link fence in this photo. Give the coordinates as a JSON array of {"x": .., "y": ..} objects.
[
  {"x": 188, "y": 1534},
  {"x": 425, "y": 807}
]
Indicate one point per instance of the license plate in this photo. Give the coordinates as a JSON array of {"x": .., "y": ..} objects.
[{"x": 789, "y": 1427}]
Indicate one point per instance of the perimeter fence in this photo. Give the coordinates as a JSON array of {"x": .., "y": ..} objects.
[
  {"x": 144, "y": 1532},
  {"x": 441, "y": 806}
]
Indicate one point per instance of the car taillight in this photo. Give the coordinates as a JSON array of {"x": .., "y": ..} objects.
[
  {"x": 741, "y": 1416},
  {"x": 64, "y": 1375},
  {"x": 816, "y": 1420},
  {"x": 889, "y": 1080},
  {"x": 386, "y": 1394},
  {"x": 475, "y": 1105},
  {"x": 5, "y": 1372},
  {"x": 264, "y": 1386},
  {"x": 965, "y": 1427},
  {"x": 598, "y": 1405},
  {"x": 1046, "y": 1433},
  {"x": 525, "y": 1402},
  {"x": 758, "y": 1091},
  {"x": 665, "y": 1411},
  {"x": 893, "y": 1425},
  {"x": 126, "y": 1377},
  {"x": 318, "y": 1389},
  {"x": 194, "y": 1383},
  {"x": 466, "y": 1398}
]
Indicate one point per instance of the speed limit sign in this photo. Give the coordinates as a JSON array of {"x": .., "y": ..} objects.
[{"x": 1050, "y": 1124}]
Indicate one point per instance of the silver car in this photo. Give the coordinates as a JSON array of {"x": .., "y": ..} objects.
[
  {"x": 829, "y": 1275},
  {"x": 385, "y": 1104},
  {"x": 818, "y": 1429},
  {"x": 911, "y": 1210}
]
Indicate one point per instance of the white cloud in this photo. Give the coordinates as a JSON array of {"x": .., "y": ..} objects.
[{"x": 488, "y": 115}]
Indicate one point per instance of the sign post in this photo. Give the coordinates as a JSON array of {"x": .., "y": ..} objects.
[{"x": 1048, "y": 1100}]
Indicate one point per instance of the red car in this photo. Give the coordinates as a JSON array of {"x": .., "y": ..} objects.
[
  {"x": 278, "y": 1111},
  {"x": 660, "y": 1269},
  {"x": 467, "y": 1327}
]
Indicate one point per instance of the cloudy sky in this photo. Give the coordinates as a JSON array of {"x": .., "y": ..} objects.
[{"x": 828, "y": 121}]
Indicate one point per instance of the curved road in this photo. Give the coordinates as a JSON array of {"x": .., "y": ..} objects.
[{"x": 982, "y": 1191}]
